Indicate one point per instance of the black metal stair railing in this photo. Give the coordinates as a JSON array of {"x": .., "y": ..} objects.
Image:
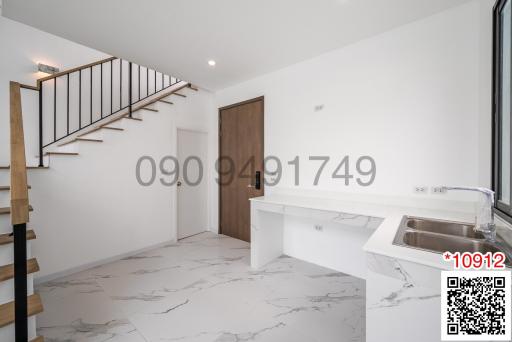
[{"x": 57, "y": 122}]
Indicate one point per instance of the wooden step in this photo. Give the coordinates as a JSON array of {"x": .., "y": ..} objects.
[
  {"x": 7, "y": 271},
  {"x": 6, "y": 239},
  {"x": 7, "y": 210},
  {"x": 61, "y": 154},
  {"x": 38, "y": 339},
  {"x": 7, "y": 167},
  {"x": 178, "y": 94},
  {"x": 165, "y": 101},
  {"x": 113, "y": 128},
  {"x": 34, "y": 307},
  {"x": 81, "y": 139},
  {"x": 101, "y": 127},
  {"x": 7, "y": 187},
  {"x": 150, "y": 109}
]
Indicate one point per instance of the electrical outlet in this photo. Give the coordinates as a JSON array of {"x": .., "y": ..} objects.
[
  {"x": 439, "y": 190},
  {"x": 319, "y": 107},
  {"x": 421, "y": 189},
  {"x": 319, "y": 227}
]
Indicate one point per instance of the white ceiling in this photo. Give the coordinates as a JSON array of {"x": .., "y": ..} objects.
[{"x": 246, "y": 38}]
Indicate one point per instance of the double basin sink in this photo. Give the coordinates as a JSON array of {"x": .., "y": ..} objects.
[{"x": 445, "y": 236}]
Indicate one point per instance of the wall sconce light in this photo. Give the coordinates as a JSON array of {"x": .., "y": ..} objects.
[{"x": 47, "y": 69}]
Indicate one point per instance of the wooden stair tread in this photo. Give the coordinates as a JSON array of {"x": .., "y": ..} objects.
[
  {"x": 150, "y": 109},
  {"x": 113, "y": 128},
  {"x": 101, "y": 127},
  {"x": 6, "y": 239},
  {"x": 7, "y": 271},
  {"x": 61, "y": 153},
  {"x": 165, "y": 101},
  {"x": 38, "y": 339},
  {"x": 7, "y": 210},
  {"x": 28, "y": 167},
  {"x": 7, "y": 187},
  {"x": 81, "y": 139},
  {"x": 34, "y": 307},
  {"x": 89, "y": 139}
]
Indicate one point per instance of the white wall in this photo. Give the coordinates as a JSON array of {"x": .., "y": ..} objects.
[
  {"x": 90, "y": 208},
  {"x": 22, "y": 47},
  {"x": 416, "y": 99}
]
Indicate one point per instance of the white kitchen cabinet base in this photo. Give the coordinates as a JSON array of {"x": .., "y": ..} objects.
[{"x": 324, "y": 237}]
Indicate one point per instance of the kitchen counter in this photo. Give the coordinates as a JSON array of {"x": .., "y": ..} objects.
[
  {"x": 381, "y": 241},
  {"x": 403, "y": 285}
]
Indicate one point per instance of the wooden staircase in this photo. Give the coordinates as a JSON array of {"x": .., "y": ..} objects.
[
  {"x": 26, "y": 305},
  {"x": 23, "y": 306}
]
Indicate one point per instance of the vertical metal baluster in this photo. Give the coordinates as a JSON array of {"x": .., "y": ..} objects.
[
  {"x": 90, "y": 79},
  {"x": 101, "y": 90},
  {"x": 130, "y": 89},
  {"x": 111, "y": 92},
  {"x": 20, "y": 282},
  {"x": 41, "y": 124},
  {"x": 67, "y": 104},
  {"x": 120, "y": 84},
  {"x": 80, "y": 99},
  {"x": 55, "y": 109}
]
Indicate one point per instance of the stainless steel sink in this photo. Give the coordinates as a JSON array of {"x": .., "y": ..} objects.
[
  {"x": 443, "y": 227},
  {"x": 444, "y": 236},
  {"x": 445, "y": 243}
]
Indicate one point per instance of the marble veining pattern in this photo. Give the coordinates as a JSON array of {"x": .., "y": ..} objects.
[{"x": 199, "y": 290}]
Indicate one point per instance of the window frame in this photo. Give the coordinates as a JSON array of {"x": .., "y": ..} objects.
[{"x": 501, "y": 209}]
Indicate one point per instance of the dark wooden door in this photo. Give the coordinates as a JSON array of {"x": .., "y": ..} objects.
[{"x": 240, "y": 165}]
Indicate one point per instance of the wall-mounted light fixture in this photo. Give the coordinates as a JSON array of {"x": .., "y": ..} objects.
[{"x": 47, "y": 69}]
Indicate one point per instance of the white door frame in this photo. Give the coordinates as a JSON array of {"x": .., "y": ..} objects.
[{"x": 206, "y": 174}]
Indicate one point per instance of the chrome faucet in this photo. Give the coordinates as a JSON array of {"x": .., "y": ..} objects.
[{"x": 485, "y": 213}]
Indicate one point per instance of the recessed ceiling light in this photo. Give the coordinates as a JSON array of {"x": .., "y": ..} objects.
[{"x": 211, "y": 62}]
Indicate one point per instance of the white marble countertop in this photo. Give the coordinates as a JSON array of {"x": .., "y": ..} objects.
[{"x": 381, "y": 241}]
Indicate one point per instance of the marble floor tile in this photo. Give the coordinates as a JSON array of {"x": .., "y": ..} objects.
[{"x": 203, "y": 289}]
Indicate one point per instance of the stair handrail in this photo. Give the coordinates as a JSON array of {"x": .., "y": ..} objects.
[
  {"x": 19, "y": 188},
  {"x": 72, "y": 70},
  {"x": 19, "y": 211}
]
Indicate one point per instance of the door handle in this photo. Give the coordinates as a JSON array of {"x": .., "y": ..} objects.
[
  {"x": 179, "y": 183},
  {"x": 257, "y": 180}
]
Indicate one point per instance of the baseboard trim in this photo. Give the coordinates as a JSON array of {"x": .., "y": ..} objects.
[{"x": 84, "y": 267}]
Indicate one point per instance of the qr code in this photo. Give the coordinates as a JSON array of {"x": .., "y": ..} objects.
[{"x": 475, "y": 306}]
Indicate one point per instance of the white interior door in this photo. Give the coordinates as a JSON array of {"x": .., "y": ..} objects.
[{"x": 192, "y": 185}]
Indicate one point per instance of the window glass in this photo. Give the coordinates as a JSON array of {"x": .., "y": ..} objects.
[{"x": 506, "y": 16}]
